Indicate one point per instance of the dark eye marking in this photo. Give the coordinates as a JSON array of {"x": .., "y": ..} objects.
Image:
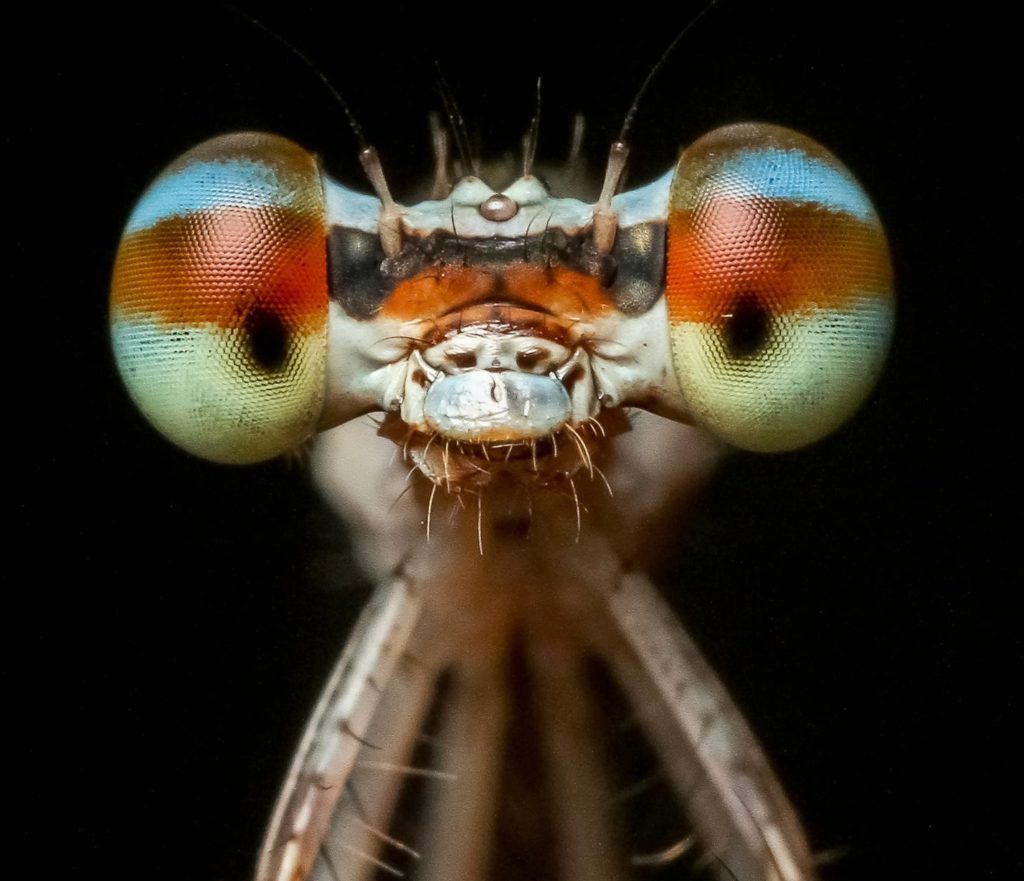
[
  {"x": 746, "y": 326},
  {"x": 267, "y": 336},
  {"x": 528, "y": 358}
]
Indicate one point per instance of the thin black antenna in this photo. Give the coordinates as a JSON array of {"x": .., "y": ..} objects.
[
  {"x": 390, "y": 221},
  {"x": 455, "y": 120},
  {"x": 659, "y": 64},
  {"x": 357, "y": 129},
  {"x": 606, "y": 222}
]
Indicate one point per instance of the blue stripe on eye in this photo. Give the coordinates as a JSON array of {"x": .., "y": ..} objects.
[
  {"x": 208, "y": 185},
  {"x": 797, "y": 177}
]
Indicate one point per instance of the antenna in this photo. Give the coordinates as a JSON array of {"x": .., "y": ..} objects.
[
  {"x": 456, "y": 121},
  {"x": 658, "y": 65},
  {"x": 389, "y": 225},
  {"x": 439, "y": 141},
  {"x": 605, "y": 220},
  {"x": 390, "y": 222},
  {"x": 357, "y": 129},
  {"x": 531, "y": 137}
]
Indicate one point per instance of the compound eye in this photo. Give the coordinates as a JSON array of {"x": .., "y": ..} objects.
[
  {"x": 778, "y": 285},
  {"x": 218, "y": 308}
]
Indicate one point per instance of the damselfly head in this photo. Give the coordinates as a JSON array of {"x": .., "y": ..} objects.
[
  {"x": 255, "y": 300},
  {"x": 517, "y": 337}
]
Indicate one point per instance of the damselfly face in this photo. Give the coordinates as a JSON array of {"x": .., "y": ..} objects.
[{"x": 547, "y": 370}]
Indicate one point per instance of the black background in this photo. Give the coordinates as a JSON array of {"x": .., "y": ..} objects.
[{"x": 178, "y": 618}]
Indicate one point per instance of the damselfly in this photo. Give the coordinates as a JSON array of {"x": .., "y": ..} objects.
[{"x": 516, "y": 695}]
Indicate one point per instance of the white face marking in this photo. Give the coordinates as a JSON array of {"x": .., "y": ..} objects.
[
  {"x": 460, "y": 212},
  {"x": 367, "y": 371}
]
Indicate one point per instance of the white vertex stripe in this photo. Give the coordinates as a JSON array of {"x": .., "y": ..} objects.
[
  {"x": 645, "y": 204},
  {"x": 349, "y": 208}
]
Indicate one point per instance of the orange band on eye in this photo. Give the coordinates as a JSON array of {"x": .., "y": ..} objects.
[
  {"x": 799, "y": 257},
  {"x": 210, "y": 266}
]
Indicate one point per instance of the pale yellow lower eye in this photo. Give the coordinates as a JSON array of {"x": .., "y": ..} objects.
[
  {"x": 219, "y": 299},
  {"x": 805, "y": 378},
  {"x": 779, "y": 287}
]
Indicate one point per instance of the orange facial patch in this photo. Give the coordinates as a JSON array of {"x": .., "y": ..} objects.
[{"x": 557, "y": 291}]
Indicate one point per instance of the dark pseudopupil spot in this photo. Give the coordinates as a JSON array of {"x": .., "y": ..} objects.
[
  {"x": 746, "y": 326},
  {"x": 268, "y": 338}
]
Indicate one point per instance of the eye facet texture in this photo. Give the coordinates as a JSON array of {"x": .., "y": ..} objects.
[
  {"x": 218, "y": 307},
  {"x": 779, "y": 287}
]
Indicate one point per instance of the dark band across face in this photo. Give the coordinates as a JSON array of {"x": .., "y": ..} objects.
[{"x": 631, "y": 278}]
